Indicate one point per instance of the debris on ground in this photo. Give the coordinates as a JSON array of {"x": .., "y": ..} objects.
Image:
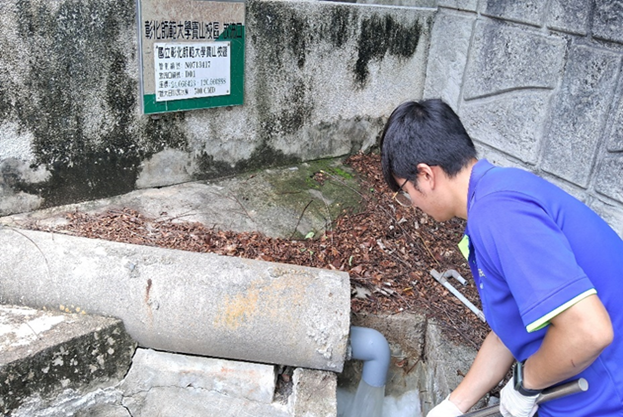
[{"x": 387, "y": 249}]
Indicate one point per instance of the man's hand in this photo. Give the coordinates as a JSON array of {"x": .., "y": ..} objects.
[
  {"x": 446, "y": 408},
  {"x": 513, "y": 404}
]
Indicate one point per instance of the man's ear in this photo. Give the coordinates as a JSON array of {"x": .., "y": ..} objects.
[{"x": 426, "y": 174}]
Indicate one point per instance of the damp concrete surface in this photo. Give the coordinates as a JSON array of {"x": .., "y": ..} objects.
[{"x": 291, "y": 202}]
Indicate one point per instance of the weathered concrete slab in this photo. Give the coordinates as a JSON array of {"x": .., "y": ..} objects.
[
  {"x": 195, "y": 402},
  {"x": 609, "y": 178},
  {"x": 615, "y": 140},
  {"x": 608, "y": 20},
  {"x": 44, "y": 354},
  {"x": 251, "y": 381},
  {"x": 282, "y": 202},
  {"x": 469, "y": 5},
  {"x": 313, "y": 394},
  {"x": 502, "y": 60},
  {"x": 181, "y": 385},
  {"x": 448, "y": 57},
  {"x": 102, "y": 402},
  {"x": 511, "y": 122},
  {"x": 186, "y": 302},
  {"x": 529, "y": 11},
  {"x": 569, "y": 16},
  {"x": 447, "y": 362},
  {"x": 579, "y": 113}
]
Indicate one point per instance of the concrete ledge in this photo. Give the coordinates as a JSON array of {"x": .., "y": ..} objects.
[
  {"x": 446, "y": 364},
  {"x": 313, "y": 394},
  {"x": 252, "y": 381},
  {"x": 44, "y": 353},
  {"x": 185, "y": 302}
]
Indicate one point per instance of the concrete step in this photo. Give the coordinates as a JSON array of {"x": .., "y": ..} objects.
[
  {"x": 72, "y": 364},
  {"x": 44, "y": 353}
]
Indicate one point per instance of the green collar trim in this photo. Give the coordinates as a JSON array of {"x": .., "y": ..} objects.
[{"x": 464, "y": 246}]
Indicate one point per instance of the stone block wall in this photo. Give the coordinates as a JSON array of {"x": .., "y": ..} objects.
[
  {"x": 319, "y": 80},
  {"x": 538, "y": 85}
]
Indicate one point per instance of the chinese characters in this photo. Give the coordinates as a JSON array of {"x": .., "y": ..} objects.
[{"x": 191, "y": 30}]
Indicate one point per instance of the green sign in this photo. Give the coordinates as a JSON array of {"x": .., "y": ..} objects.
[{"x": 191, "y": 54}]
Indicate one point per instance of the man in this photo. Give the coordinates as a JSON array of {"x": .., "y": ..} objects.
[{"x": 549, "y": 271}]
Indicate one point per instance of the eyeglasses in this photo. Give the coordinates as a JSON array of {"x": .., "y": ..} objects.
[{"x": 402, "y": 197}]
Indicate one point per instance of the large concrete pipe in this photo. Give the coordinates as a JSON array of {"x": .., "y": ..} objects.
[{"x": 185, "y": 302}]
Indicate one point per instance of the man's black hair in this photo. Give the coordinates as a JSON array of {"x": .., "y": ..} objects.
[{"x": 426, "y": 132}]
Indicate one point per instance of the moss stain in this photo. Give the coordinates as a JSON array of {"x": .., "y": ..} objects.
[
  {"x": 380, "y": 36},
  {"x": 104, "y": 160}
]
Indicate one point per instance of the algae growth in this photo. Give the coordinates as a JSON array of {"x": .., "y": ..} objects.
[{"x": 304, "y": 200}]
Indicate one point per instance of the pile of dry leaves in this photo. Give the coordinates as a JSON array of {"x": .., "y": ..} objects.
[{"x": 388, "y": 251}]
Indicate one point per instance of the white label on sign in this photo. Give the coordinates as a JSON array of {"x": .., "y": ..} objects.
[{"x": 192, "y": 70}]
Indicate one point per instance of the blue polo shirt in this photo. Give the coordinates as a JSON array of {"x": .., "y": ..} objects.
[{"x": 535, "y": 250}]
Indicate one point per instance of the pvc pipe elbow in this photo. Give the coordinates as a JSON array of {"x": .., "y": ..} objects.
[{"x": 371, "y": 347}]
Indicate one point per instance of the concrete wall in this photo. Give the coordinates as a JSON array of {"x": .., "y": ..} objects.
[
  {"x": 319, "y": 80},
  {"x": 538, "y": 85}
]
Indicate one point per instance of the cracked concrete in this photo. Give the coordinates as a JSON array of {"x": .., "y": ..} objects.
[{"x": 45, "y": 355}]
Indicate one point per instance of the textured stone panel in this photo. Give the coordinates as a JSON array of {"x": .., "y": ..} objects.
[
  {"x": 615, "y": 140},
  {"x": 469, "y": 5},
  {"x": 610, "y": 213},
  {"x": 404, "y": 3},
  {"x": 511, "y": 123},
  {"x": 579, "y": 112},
  {"x": 526, "y": 11},
  {"x": 569, "y": 16},
  {"x": 448, "y": 57},
  {"x": 503, "y": 59},
  {"x": 498, "y": 158},
  {"x": 609, "y": 177},
  {"x": 608, "y": 20}
]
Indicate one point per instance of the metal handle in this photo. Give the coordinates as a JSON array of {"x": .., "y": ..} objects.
[{"x": 552, "y": 393}]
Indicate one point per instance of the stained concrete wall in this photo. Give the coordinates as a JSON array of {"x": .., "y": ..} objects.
[
  {"x": 319, "y": 79},
  {"x": 538, "y": 85}
]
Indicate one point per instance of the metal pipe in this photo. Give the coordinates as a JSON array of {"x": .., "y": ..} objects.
[
  {"x": 552, "y": 393},
  {"x": 454, "y": 274},
  {"x": 371, "y": 347},
  {"x": 441, "y": 278}
]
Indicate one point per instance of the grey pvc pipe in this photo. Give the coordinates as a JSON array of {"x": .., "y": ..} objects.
[
  {"x": 371, "y": 347},
  {"x": 186, "y": 302}
]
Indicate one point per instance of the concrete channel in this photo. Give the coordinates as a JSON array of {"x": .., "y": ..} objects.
[{"x": 182, "y": 311}]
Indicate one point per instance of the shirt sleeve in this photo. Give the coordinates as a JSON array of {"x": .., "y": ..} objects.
[{"x": 524, "y": 245}]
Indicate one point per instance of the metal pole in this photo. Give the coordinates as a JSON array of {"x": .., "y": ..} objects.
[
  {"x": 441, "y": 278},
  {"x": 552, "y": 393}
]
